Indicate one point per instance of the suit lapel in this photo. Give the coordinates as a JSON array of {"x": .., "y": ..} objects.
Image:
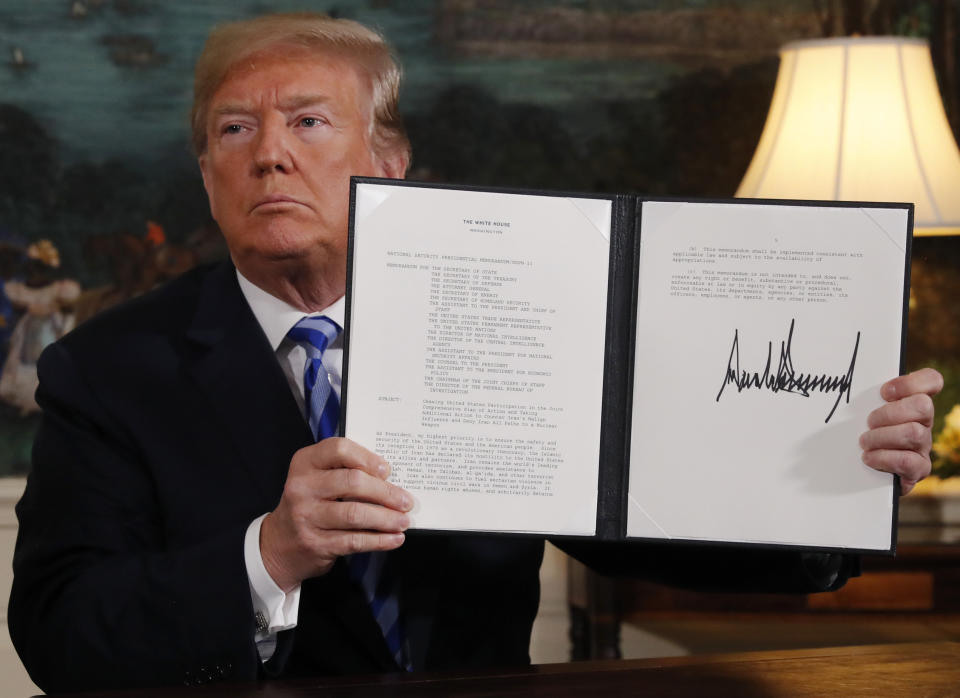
[{"x": 238, "y": 372}]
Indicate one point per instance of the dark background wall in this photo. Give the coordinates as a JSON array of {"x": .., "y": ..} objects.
[{"x": 603, "y": 95}]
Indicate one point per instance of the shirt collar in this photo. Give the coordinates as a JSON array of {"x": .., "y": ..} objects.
[{"x": 276, "y": 316}]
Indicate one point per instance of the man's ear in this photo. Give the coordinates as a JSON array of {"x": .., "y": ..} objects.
[
  {"x": 204, "y": 163},
  {"x": 394, "y": 165}
]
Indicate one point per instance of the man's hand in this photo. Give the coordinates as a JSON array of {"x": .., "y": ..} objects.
[
  {"x": 336, "y": 502},
  {"x": 899, "y": 437}
]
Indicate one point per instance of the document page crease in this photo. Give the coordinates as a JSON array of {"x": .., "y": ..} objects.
[
  {"x": 603, "y": 227},
  {"x": 896, "y": 243},
  {"x": 643, "y": 511},
  {"x": 369, "y": 198}
]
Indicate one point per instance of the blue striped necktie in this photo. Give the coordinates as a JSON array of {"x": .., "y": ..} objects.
[
  {"x": 378, "y": 579},
  {"x": 315, "y": 334}
]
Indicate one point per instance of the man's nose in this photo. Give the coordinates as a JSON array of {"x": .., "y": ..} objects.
[{"x": 272, "y": 153}]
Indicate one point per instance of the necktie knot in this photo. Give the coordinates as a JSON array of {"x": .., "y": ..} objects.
[{"x": 314, "y": 334}]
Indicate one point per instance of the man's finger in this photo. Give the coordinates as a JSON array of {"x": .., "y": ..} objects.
[
  {"x": 342, "y": 543},
  {"x": 926, "y": 380},
  {"x": 360, "y": 516},
  {"x": 909, "y": 465},
  {"x": 915, "y": 408},
  {"x": 906, "y": 486},
  {"x": 911, "y": 436},
  {"x": 337, "y": 452},
  {"x": 358, "y": 485}
]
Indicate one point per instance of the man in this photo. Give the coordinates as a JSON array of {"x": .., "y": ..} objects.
[{"x": 181, "y": 525}]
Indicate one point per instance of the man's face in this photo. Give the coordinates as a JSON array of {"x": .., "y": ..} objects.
[{"x": 284, "y": 135}]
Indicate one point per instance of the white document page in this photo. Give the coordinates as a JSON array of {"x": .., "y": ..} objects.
[
  {"x": 476, "y": 353},
  {"x": 764, "y": 334}
]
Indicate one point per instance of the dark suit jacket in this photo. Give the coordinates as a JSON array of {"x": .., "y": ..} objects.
[{"x": 168, "y": 426}]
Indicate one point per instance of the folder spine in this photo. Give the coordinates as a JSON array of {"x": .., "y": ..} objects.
[{"x": 615, "y": 416}]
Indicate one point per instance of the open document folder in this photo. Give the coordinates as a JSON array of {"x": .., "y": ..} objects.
[{"x": 623, "y": 366}]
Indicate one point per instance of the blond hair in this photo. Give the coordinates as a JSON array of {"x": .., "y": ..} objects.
[{"x": 231, "y": 43}]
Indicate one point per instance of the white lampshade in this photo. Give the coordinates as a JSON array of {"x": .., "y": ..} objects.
[{"x": 859, "y": 119}]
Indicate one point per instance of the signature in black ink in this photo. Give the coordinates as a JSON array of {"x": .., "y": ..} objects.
[{"x": 786, "y": 379}]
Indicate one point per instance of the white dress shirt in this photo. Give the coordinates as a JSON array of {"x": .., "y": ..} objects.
[{"x": 277, "y": 317}]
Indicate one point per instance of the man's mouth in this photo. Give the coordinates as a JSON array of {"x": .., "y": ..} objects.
[{"x": 277, "y": 200}]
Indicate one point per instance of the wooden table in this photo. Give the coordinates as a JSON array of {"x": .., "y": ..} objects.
[
  {"x": 921, "y": 582},
  {"x": 920, "y": 669}
]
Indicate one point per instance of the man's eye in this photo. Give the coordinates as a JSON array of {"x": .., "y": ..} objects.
[
  {"x": 310, "y": 121},
  {"x": 233, "y": 128}
]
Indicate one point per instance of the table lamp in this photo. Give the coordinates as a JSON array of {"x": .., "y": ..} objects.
[{"x": 859, "y": 119}]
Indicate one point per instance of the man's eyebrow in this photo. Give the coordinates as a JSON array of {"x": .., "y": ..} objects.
[
  {"x": 231, "y": 110},
  {"x": 300, "y": 101},
  {"x": 287, "y": 105}
]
